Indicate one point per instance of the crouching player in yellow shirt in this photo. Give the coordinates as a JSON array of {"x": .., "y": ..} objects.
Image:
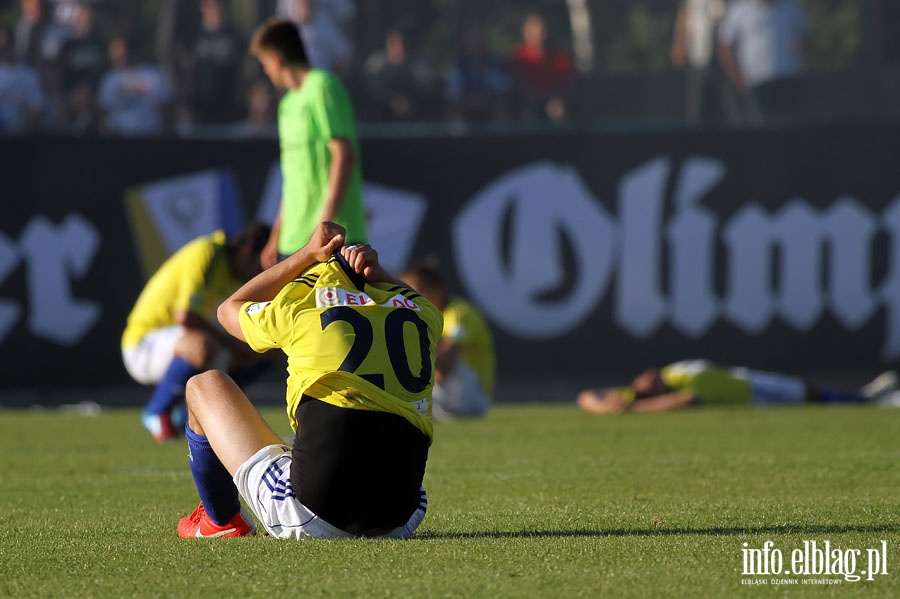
[
  {"x": 360, "y": 347},
  {"x": 172, "y": 334},
  {"x": 464, "y": 368}
]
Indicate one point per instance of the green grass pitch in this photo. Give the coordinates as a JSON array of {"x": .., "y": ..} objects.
[{"x": 532, "y": 501}]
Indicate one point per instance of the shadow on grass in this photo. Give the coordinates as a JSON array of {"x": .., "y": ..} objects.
[{"x": 664, "y": 532}]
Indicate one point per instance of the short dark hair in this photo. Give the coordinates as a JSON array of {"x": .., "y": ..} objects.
[
  {"x": 254, "y": 236},
  {"x": 426, "y": 271},
  {"x": 283, "y": 38}
]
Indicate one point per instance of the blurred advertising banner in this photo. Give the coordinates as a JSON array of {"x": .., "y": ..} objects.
[
  {"x": 166, "y": 214},
  {"x": 592, "y": 254},
  {"x": 393, "y": 216}
]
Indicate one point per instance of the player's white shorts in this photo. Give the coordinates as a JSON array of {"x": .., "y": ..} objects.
[
  {"x": 264, "y": 481},
  {"x": 459, "y": 394},
  {"x": 148, "y": 361}
]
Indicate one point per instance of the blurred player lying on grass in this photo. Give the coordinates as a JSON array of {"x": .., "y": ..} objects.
[
  {"x": 360, "y": 347},
  {"x": 171, "y": 333},
  {"x": 700, "y": 382}
]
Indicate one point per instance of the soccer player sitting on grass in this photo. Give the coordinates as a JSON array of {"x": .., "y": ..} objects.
[
  {"x": 464, "y": 367},
  {"x": 699, "y": 382},
  {"x": 171, "y": 333},
  {"x": 360, "y": 347}
]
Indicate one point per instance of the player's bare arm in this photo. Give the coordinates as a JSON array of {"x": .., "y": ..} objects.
[
  {"x": 269, "y": 255},
  {"x": 342, "y": 161},
  {"x": 602, "y": 401},
  {"x": 663, "y": 403},
  {"x": 327, "y": 238}
]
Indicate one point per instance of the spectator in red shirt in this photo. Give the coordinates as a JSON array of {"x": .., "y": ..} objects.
[{"x": 544, "y": 75}]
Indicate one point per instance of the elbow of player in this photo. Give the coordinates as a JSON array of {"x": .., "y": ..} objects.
[
  {"x": 348, "y": 160},
  {"x": 224, "y": 315}
]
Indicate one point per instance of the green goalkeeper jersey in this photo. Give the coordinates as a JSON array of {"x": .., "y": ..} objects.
[{"x": 308, "y": 119}]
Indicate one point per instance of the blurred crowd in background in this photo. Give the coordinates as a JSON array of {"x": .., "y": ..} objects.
[{"x": 141, "y": 67}]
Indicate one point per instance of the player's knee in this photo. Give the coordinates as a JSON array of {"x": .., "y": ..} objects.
[
  {"x": 196, "y": 348},
  {"x": 205, "y": 380},
  {"x": 201, "y": 393},
  {"x": 203, "y": 385}
]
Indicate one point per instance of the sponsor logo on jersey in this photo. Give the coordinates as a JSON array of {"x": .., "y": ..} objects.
[{"x": 327, "y": 297}]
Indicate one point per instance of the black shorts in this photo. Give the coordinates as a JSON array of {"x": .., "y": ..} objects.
[{"x": 358, "y": 470}]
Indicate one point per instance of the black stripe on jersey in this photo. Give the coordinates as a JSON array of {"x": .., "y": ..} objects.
[
  {"x": 406, "y": 292},
  {"x": 357, "y": 279},
  {"x": 308, "y": 280}
]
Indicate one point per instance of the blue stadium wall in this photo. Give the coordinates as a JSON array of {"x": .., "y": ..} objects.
[{"x": 592, "y": 254}]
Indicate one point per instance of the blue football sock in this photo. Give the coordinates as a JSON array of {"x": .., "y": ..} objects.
[
  {"x": 170, "y": 389},
  {"x": 214, "y": 485}
]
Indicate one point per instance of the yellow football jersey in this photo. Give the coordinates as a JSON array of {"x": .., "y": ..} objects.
[
  {"x": 351, "y": 344},
  {"x": 707, "y": 382},
  {"x": 463, "y": 324},
  {"x": 196, "y": 278}
]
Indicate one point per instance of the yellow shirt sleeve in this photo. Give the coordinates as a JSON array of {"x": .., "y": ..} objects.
[{"x": 259, "y": 325}]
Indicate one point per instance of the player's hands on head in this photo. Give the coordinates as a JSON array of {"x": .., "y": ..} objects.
[
  {"x": 363, "y": 259},
  {"x": 325, "y": 240}
]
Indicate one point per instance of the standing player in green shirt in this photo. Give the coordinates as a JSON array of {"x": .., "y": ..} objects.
[{"x": 320, "y": 165}]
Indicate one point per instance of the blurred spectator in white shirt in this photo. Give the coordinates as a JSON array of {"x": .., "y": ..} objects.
[
  {"x": 323, "y": 27},
  {"x": 761, "y": 45},
  {"x": 21, "y": 95},
  {"x": 134, "y": 96}
]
